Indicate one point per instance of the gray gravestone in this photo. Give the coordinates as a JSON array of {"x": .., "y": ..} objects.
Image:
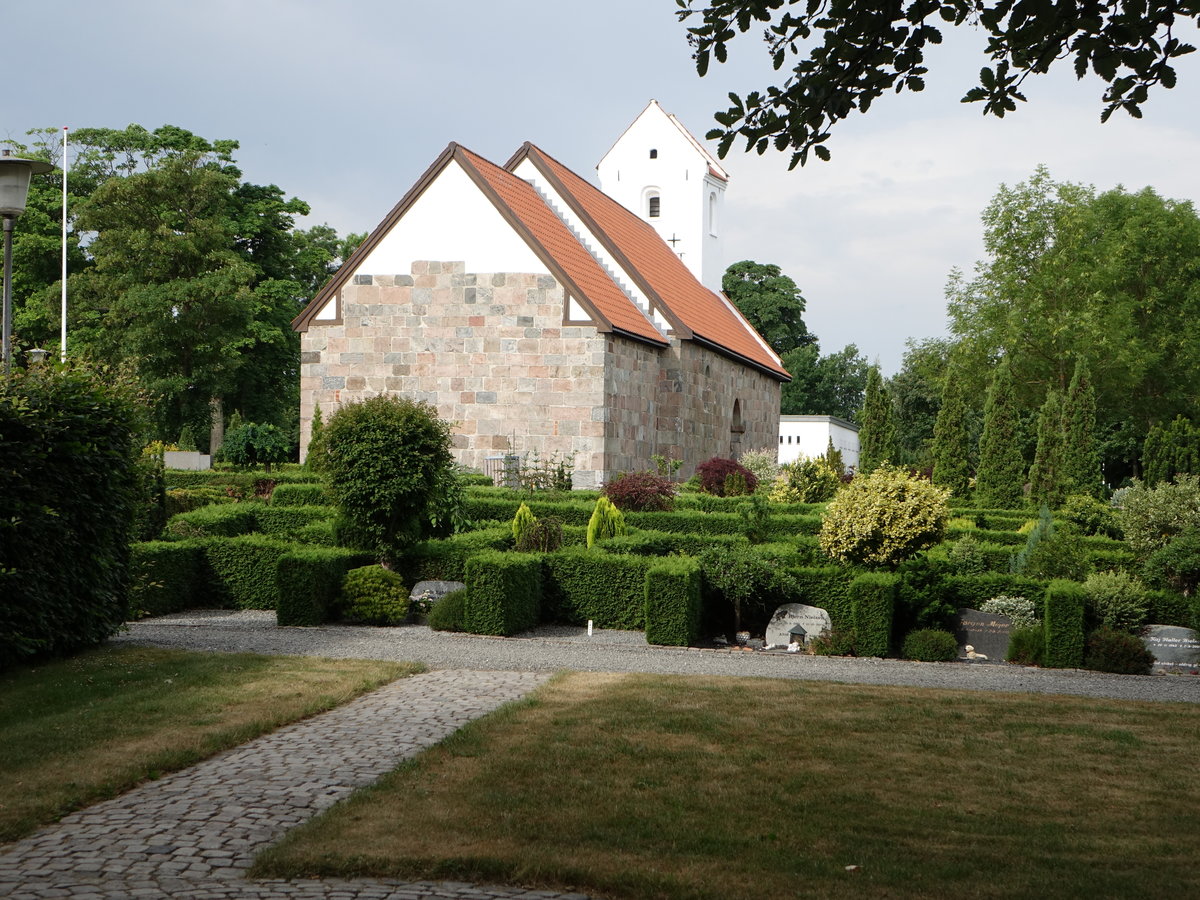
[
  {"x": 1175, "y": 649},
  {"x": 433, "y": 591},
  {"x": 790, "y": 617},
  {"x": 985, "y": 633}
]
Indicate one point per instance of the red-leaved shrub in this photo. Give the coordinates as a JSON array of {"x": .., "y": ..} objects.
[
  {"x": 641, "y": 492},
  {"x": 714, "y": 476}
]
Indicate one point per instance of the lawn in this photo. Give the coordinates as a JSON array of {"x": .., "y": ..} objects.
[
  {"x": 87, "y": 728},
  {"x": 648, "y": 786}
]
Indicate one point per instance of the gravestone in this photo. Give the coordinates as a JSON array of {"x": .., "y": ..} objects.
[
  {"x": 433, "y": 591},
  {"x": 1175, "y": 649},
  {"x": 797, "y": 621},
  {"x": 985, "y": 633}
]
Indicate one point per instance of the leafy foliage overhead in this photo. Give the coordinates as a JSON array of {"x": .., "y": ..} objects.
[
  {"x": 772, "y": 303},
  {"x": 851, "y": 51}
]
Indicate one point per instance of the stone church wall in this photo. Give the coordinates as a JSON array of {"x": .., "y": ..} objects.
[{"x": 489, "y": 351}]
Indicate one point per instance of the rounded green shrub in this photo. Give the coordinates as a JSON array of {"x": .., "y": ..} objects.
[
  {"x": 806, "y": 481},
  {"x": 838, "y": 642},
  {"x": 1151, "y": 517},
  {"x": 251, "y": 445},
  {"x": 1027, "y": 646},
  {"x": 1116, "y": 600},
  {"x": 930, "y": 645},
  {"x": 448, "y": 613},
  {"x": 762, "y": 463},
  {"x": 390, "y": 470},
  {"x": 1090, "y": 516},
  {"x": 1176, "y": 566},
  {"x": 884, "y": 518},
  {"x": 1117, "y": 652},
  {"x": 372, "y": 595}
]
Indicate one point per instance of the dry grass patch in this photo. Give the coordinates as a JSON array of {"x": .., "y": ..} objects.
[
  {"x": 647, "y": 786},
  {"x": 84, "y": 729}
]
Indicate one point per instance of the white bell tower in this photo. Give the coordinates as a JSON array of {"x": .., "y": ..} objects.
[{"x": 660, "y": 171}]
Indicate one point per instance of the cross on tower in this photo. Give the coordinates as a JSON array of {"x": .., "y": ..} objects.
[{"x": 672, "y": 240}]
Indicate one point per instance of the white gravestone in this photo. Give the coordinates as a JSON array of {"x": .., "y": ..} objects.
[{"x": 782, "y": 629}]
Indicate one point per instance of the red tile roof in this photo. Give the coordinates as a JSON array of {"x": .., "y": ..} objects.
[
  {"x": 656, "y": 267},
  {"x": 592, "y": 285}
]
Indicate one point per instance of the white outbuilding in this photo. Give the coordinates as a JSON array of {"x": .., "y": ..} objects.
[{"x": 809, "y": 436}]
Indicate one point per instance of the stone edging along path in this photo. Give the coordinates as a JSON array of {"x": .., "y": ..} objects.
[{"x": 193, "y": 834}]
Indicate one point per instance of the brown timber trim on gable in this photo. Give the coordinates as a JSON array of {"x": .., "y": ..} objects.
[
  {"x": 535, "y": 156},
  {"x": 566, "y": 319},
  {"x": 338, "y": 279},
  {"x": 570, "y": 288}
]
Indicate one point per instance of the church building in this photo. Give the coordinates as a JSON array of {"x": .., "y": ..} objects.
[{"x": 539, "y": 314}]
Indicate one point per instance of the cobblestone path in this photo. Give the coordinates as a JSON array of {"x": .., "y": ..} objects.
[{"x": 193, "y": 834}]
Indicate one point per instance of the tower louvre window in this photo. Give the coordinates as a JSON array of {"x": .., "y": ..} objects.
[
  {"x": 653, "y": 154},
  {"x": 655, "y": 206}
]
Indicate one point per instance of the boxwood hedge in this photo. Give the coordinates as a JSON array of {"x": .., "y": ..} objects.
[
  {"x": 307, "y": 581},
  {"x": 672, "y": 591},
  {"x": 504, "y": 592},
  {"x": 609, "y": 589}
]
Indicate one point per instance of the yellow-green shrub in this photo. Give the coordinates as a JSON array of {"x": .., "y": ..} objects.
[{"x": 884, "y": 518}]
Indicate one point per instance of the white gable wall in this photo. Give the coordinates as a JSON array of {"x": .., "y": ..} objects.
[
  {"x": 690, "y": 198},
  {"x": 452, "y": 220}
]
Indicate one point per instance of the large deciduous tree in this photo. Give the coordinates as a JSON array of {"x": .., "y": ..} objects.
[
  {"x": 1113, "y": 278},
  {"x": 772, "y": 303},
  {"x": 830, "y": 385},
  {"x": 849, "y": 52}
]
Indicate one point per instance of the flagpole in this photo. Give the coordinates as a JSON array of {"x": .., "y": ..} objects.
[{"x": 63, "y": 340}]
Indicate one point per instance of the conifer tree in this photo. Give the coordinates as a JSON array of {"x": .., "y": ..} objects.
[
  {"x": 1000, "y": 478},
  {"x": 1171, "y": 450},
  {"x": 1047, "y": 484},
  {"x": 833, "y": 458},
  {"x": 877, "y": 431},
  {"x": 951, "y": 437},
  {"x": 1081, "y": 461}
]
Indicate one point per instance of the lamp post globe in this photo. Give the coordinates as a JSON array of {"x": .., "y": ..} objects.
[{"x": 15, "y": 174}]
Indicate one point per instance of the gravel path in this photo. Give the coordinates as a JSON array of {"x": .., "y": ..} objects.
[{"x": 554, "y": 648}]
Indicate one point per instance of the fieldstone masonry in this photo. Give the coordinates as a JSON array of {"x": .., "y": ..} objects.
[{"x": 494, "y": 353}]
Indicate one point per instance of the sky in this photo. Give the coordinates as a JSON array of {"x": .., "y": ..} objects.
[{"x": 345, "y": 104}]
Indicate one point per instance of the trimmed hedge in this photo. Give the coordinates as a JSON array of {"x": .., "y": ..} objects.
[
  {"x": 446, "y": 559},
  {"x": 308, "y": 580},
  {"x": 504, "y": 592},
  {"x": 827, "y": 587},
  {"x": 988, "y": 536},
  {"x": 1063, "y": 621},
  {"x": 165, "y": 577},
  {"x": 673, "y": 605},
  {"x": 244, "y": 568},
  {"x": 222, "y": 520},
  {"x": 481, "y": 507},
  {"x": 666, "y": 543},
  {"x": 969, "y": 591},
  {"x": 691, "y": 521},
  {"x": 300, "y": 495},
  {"x": 288, "y": 520},
  {"x": 323, "y": 533},
  {"x": 872, "y": 603},
  {"x": 582, "y": 584},
  {"x": 1169, "y": 608},
  {"x": 181, "y": 500},
  {"x": 67, "y": 507},
  {"x": 246, "y": 482}
]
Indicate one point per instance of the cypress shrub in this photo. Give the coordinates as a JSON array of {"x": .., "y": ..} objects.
[
  {"x": 1063, "y": 621},
  {"x": 165, "y": 577},
  {"x": 673, "y": 605},
  {"x": 872, "y": 604},
  {"x": 224, "y": 520},
  {"x": 1047, "y": 479},
  {"x": 67, "y": 511},
  {"x": 504, "y": 592},
  {"x": 1081, "y": 460},
  {"x": 308, "y": 581},
  {"x": 245, "y": 567},
  {"x": 606, "y": 522},
  {"x": 300, "y": 495},
  {"x": 952, "y": 435},
  {"x": 877, "y": 431},
  {"x": 1000, "y": 478},
  {"x": 581, "y": 584}
]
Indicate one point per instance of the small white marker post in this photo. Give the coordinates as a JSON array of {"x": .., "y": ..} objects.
[{"x": 589, "y": 627}]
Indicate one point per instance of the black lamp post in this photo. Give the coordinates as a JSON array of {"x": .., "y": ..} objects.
[{"x": 14, "y": 190}]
